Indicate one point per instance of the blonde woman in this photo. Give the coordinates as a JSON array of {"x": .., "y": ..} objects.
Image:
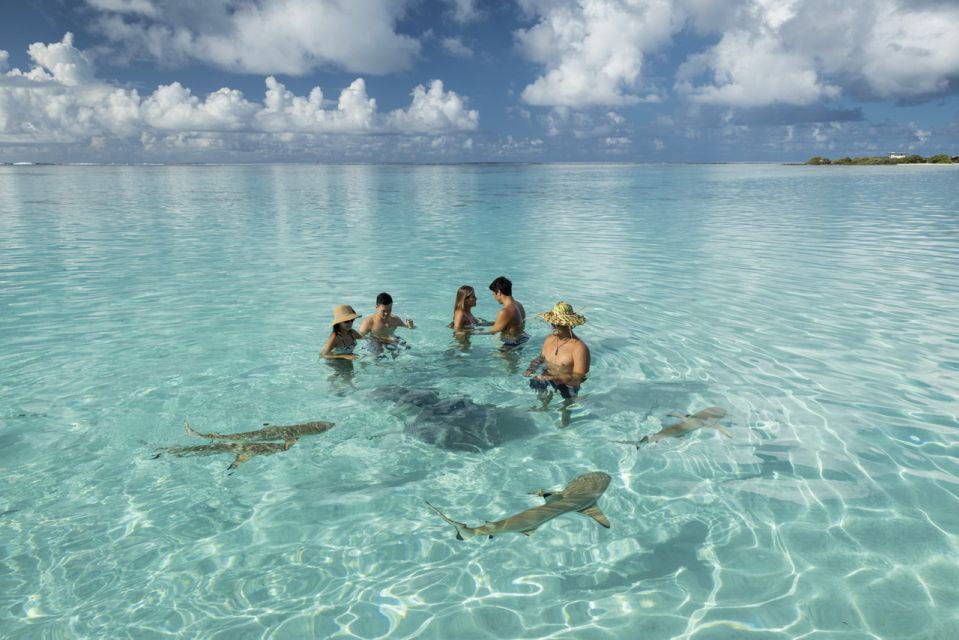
[{"x": 463, "y": 318}]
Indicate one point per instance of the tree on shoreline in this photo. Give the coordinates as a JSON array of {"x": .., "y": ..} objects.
[{"x": 941, "y": 158}]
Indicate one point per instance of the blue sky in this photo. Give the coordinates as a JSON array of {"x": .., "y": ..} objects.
[{"x": 468, "y": 80}]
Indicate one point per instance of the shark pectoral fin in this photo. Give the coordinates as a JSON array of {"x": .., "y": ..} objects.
[
  {"x": 597, "y": 515},
  {"x": 241, "y": 457},
  {"x": 723, "y": 431}
]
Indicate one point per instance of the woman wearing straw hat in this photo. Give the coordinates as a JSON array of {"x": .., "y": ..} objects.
[
  {"x": 343, "y": 339},
  {"x": 566, "y": 356}
]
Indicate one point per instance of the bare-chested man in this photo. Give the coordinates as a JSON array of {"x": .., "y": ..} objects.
[
  {"x": 511, "y": 319},
  {"x": 381, "y": 325},
  {"x": 566, "y": 356}
]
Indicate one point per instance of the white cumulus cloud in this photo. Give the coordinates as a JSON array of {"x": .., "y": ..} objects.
[
  {"x": 764, "y": 52},
  {"x": 592, "y": 50},
  {"x": 434, "y": 109},
  {"x": 455, "y": 47},
  {"x": 60, "y": 100},
  {"x": 262, "y": 36}
]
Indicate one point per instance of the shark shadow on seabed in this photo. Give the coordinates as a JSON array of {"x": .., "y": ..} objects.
[
  {"x": 579, "y": 496},
  {"x": 455, "y": 423},
  {"x": 248, "y": 444}
]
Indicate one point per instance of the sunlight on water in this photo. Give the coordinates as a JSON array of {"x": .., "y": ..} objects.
[{"x": 815, "y": 305}]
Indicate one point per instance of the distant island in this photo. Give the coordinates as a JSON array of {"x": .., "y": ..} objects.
[{"x": 892, "y": 158}]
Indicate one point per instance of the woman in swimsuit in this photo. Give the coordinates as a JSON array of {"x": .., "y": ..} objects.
[
  {"x": 463, "y": 319},
  {"x": 343, "y": 339}
]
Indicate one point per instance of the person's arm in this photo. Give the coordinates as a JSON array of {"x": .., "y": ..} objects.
[
  {"x": 459, "y": 320},
  {"x": 334, "y": 356},
  {"x": 536, "y": 362},
  {"x": 328, "y": 346},
  {"x": 396, "y": 322},
  {"x": 366, "y": 325},
  {"x": 501, "y": 322}
]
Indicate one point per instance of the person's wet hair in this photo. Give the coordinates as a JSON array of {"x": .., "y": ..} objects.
[
  {"x": 462, "y": 294},
  {"x": 501, "y": 285},
  {"x": 384, "y": 299}
]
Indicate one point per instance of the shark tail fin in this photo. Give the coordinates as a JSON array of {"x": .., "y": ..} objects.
[
  {"x": 635, "y": 443},
  {"x": 462, "y": 530}
]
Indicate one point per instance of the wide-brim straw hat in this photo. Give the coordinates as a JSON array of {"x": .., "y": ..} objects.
[
  {"x": 344, "y": 313},
  {"x": 562, "y": 314}
]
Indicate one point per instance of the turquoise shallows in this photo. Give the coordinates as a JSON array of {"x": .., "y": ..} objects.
[{"x": 818, "y": 306}]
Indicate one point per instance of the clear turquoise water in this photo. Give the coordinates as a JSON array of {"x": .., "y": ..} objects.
[{"x": 816, "y": 305}]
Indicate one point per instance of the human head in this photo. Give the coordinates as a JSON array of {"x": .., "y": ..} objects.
[
  {"x": 343, "y": 316},
  {"x": 562, "y": 315},
  {"x": 501, "y": 285},
  {"x": 463, "y": 294},
  {"x": 384, "y": 304}
]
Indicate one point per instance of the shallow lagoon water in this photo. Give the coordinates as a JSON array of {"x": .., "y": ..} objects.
[{"x": 816, "y": 305}]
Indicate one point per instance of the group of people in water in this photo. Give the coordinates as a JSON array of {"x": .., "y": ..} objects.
[{"x": 561, "y": 365}]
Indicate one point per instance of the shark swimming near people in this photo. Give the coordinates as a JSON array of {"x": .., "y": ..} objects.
[
  {"x": 248, "y": 444},
  {"x": 705, "y": 419},
  {"x": 268, "y": 432},
  {"x": 579, "y": 496}
]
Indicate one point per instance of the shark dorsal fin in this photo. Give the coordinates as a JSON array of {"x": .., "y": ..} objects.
[{"x": 597, "y": 515}]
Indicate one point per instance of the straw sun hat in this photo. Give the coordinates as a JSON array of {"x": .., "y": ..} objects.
[
  {"x": 562, "y": 314},
  {"x": 344, "y": 313}
]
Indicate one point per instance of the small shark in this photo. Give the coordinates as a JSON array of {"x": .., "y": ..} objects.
[
  {"x": 243, "y": 450},
  {"x": 688, "y": 422},
  {"x": 579, "y": 495},
  {"x": 288, "y": 433}
]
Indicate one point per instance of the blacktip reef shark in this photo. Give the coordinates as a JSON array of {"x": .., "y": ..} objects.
[
  {"x": 286, "y": 433},
  {"x": 688, "y": 422},
  {"x": 579, "y": 496},
  {"x": 249, "y": 443},
  {"x": 243, "y": 450}
]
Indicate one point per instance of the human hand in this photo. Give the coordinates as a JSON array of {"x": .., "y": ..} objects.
[
  {"x": 409, "y": 324},
  {"x": 528, "y": 372}
]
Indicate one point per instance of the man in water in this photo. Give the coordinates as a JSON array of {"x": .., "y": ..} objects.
[
  {"x": 381, "y": 326},
  {"x": 566, "y": 356},
  {"x": 511, "y": 319}
]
